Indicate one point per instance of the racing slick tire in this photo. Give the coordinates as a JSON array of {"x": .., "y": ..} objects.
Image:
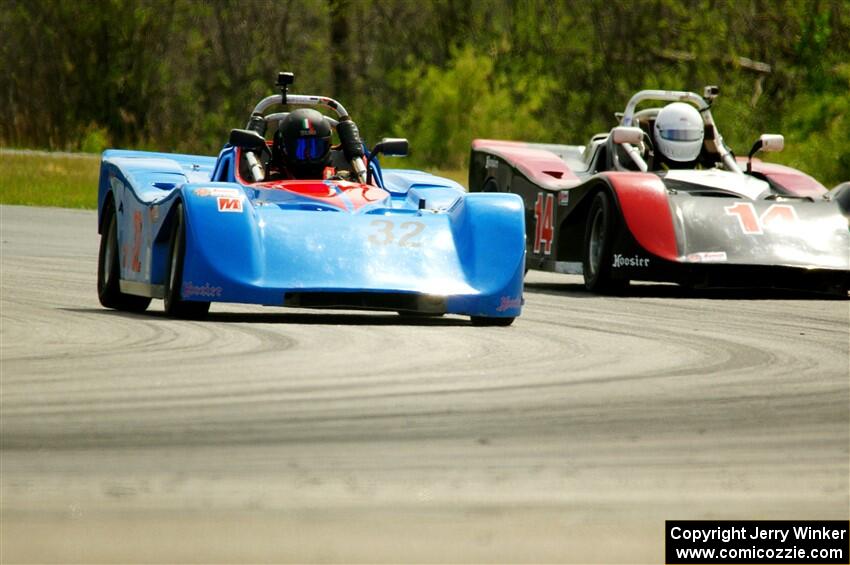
[
  {"x": 599, "y": 236},
  {"x": 488, "y": 321},
  {"x": 174, "y": 305},
  {"x": 108, "y": 271}
]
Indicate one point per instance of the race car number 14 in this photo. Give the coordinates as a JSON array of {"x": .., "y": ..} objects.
[
  {"x": 753, "y": 224},
  {"x": 544, "y": 230}
]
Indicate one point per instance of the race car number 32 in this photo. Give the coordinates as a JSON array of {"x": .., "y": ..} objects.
[{"x": 388, "y": 233}]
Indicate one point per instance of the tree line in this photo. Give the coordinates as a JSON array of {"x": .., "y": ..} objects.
[{"x": 177, "y": 75}]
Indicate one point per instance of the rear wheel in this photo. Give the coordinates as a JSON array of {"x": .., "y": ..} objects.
[
  {"x": 599, "y": 236},
  {"x": 109, "y": 272},
  {"x": 175, "y": 306}
]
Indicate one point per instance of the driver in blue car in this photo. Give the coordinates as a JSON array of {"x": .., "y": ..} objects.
[{"x": 302, "y": 147}]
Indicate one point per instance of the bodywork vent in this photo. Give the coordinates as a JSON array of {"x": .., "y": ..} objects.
[{"x": 404, "y": 302}]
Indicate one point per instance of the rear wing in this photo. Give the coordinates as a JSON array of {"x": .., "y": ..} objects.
[{"x": 550, "y": 166}]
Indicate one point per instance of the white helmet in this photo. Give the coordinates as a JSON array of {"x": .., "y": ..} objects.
[{"x": 679, "y": 132}]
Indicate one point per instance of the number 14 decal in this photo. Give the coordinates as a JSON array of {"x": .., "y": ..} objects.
[
  {"x": 544, "y": 230},
  {"x": 751, "y": 223}
]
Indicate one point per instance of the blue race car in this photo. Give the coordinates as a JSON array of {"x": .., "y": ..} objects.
[{"x": 241, "y": 228}]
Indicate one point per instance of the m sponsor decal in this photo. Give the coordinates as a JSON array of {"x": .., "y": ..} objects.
[
  {"x": 634, "y": 261},
  {"x": 564, "y": 198},
  {"x": 226, "y": 204},
  {"x": 491, "y": 163},
  {"x": 205, "y": 290}
]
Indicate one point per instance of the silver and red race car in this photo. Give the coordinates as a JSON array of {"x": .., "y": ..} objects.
[{"x": 662, "y": 198}]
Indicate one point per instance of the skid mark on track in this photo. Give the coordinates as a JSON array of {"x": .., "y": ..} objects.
[{"x": 586, "y": 410}]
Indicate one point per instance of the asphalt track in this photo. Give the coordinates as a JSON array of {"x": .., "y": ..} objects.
[{"x": 287, "y": 435}]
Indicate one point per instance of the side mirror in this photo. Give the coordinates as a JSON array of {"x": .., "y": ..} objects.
[
  {"x": 392, "y": 146},
  {"x": 246, "y": 138},
  {"x": 772, "y": 142},
  {"x": 624, "y": 134},
  {"x": 767, "y": 142}
]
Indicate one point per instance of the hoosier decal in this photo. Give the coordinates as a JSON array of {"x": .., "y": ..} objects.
[
  {"x": 206, "y": 290},
  {"x": 635, "y": 261},
  {"x": 507, "y": 303}
]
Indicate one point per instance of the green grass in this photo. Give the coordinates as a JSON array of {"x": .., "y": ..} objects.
[
  {"x": 70, "y": 181},
  {"x": 458, "y": 175},
  {"x": 44, "y": 179}
]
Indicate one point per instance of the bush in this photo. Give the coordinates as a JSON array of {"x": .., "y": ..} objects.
[
  {"x": 94, "y": 140},
  {"x": 467, "y": 99},
  {"x": 818, "y": 124}
]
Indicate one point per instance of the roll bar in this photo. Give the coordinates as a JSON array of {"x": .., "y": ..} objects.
[
  {"x": 667, "y": 96},
  {"x": 683, "y": 96},
  {"x": 346, "y": 129},
  {"x": 303, "y": 99}
]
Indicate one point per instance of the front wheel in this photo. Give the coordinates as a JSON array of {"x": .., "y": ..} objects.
[
  {"x": 108, "y": 271},
  {"x": 599, "y": 236},
  {"x": 175, "y": 306}
]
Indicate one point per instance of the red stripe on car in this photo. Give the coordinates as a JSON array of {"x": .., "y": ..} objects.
[{"x": 646, "y": 210}]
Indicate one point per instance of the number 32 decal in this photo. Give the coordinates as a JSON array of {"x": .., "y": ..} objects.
[{"x": 386, "y": 233}]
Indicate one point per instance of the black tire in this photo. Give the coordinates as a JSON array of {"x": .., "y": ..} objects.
[
  {"x": 175, "y": 306},
  {"x": 487, "y": 321},
  {"x": 109, "y": 272},
  {"x": 599, "y": 234},
  {"x": 839, "y": 291}
]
